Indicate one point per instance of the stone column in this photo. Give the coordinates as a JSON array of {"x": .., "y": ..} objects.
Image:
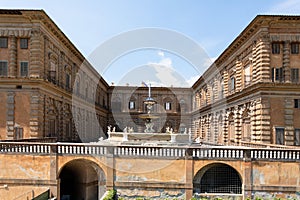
[
  {"x": 13, "y": 72},
  {"x": 10, "y": 115},
  {"x": 286, "y": 62}
]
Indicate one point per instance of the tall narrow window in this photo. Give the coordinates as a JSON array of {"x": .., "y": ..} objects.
[
  {"x": 24, "y": 69},
  {"x": 294, "y": 48},
  {"x": 277, "y": 74},
  {"x": 296, "y": 103},
  {"x": 3, "y": 42},
  {"x": 279, "y": 135},
  {"x": 68, "y": 80},
  {"x": 295, "y": 75},
  {"x": 168, "y": 105},
  {"x": 24, "y": 43},
  {"x": 232, "y": 84},
  {"x": 297, "y": 137},
  {"x": 3, "y": 68},
  {"x": 52, "y": 127},
  {"x": 18, "y": 133},
  {"x": 276, "y": 48},
  {"x": 221, "y": 94},
  {"x": 247, "y": 75},
  {"x": 52, "y": 72},
  {"x": 131, "y": 105}
]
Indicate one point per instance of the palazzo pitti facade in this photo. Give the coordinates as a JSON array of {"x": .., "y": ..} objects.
[{"x": 250, "y": 93}]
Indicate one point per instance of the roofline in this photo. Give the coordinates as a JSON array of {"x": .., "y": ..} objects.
[{"x": 239, "y": 37}]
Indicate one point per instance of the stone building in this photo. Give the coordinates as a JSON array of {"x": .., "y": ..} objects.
[
  {"x": 251, "y": 92},
  {"x": 41, "y": 72},
  {"x": 173, "y": 106}
]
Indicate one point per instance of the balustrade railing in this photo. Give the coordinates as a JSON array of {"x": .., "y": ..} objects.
[{"x": 172, "y": 152}]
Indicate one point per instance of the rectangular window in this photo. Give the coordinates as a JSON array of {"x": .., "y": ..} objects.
[
  {"x": 131, "y": 105},
  {"x": 277, "y": 74},
  {"x": 68, "y": 81},
  {"x": 52, "y": 127},
  {"x": 276, "y": 48},
  {"x": 18, "y": 133},
  {"x": 3, "y": 42},
  {"x": 279, "y": 135},
  {"x": 3, "y": 68},
  {"x": 168, "y": 105},
  {"x": 24, "y": 69},
  {"x": 294, "y": 48},
  {"x": 297, "y": 137},
  {"x": 247, "y": 75},
  {"x": 296, "y": 103},
  {"x": 295, "y": 75},
  {"x": 232, "y": 84},
  {"x": 24, "y": 43}
]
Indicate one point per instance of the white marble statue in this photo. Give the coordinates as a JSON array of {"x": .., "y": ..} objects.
[
  {"x": 125, "y": 130},
  {"x": 114, "y": 129},
  {"x": 167, "y": 129}
]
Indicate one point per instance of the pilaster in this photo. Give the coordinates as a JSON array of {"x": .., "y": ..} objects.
[
  {"x": 225, "y": 78},
  {"x": 253, "y": 120},
  {"x": 286, "y": 62},
  {"x": 34, "y": 115},
  {"x": 36, "y": 53},
  {"x": 289, "y": 121},
  {"x": 225, "y": 127},
  {"x": 254, "y": 63},
  {"x": 10, "y": 115},
  {"x": 13, "y": 57},
  {"x": 237, "y": 124},
  {"x": 263, "y": 59},
  {"x": 238, "y": 66}
]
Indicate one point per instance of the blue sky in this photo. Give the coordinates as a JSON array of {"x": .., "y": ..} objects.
[{"x": 212, "y": 24}]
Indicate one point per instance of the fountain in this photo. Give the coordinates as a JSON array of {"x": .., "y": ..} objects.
[
  {"x": 149, "y": 102},
  {"x": 149, "y": 136}
]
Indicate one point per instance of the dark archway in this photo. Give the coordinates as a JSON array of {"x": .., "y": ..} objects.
[
  {"x": 218, "y": 178},
  {"x": 81, "y": 179}
]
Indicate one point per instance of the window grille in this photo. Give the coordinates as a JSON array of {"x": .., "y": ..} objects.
[{"x": 221, "y": 178}]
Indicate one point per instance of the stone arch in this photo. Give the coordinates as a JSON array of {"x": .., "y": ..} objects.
[
  {"x": 218, "y": 178},
  {"x": 81, "y": 179}
]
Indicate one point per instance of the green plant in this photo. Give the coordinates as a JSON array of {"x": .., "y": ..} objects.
[{"x": 110, "y": 195}]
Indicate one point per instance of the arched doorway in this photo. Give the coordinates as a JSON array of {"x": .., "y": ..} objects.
[
  {"x": 217, "y": 178},
  {"x": 81, "y": 180}
]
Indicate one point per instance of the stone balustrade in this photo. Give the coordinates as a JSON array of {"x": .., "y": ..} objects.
[{"x": 160, "y": 152}]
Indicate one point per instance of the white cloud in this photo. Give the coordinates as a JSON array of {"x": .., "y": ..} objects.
[
  {"x": 286, "y": 7},
  {"x": 161, "y": 53},
  {"x": 192, "y": 80},
  {"x": 165, "y": 61}
]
